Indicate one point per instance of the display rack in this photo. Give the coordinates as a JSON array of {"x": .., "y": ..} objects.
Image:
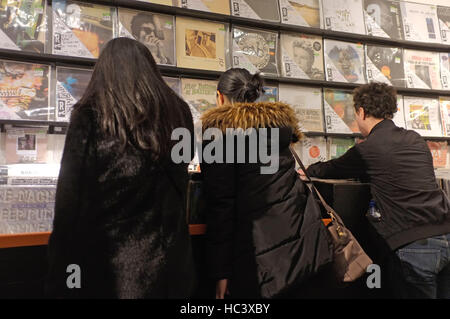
[{"x": 59, "y": 60}]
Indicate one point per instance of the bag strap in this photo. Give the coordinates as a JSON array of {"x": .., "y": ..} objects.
[{"x": 328, "y": 208}]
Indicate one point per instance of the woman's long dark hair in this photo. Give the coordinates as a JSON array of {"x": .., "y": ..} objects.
[
  {"x": 131, "y": 99},
  {"x": 239, "y": 85}
]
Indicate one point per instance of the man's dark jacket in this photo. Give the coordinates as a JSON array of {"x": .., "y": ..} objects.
[{"x": 399, "y": 167}]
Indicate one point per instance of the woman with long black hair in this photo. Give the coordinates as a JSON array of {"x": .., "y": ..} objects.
[{"x": 120, "y": 228}]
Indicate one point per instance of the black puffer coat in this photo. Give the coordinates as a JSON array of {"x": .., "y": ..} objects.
[
  {"x": 253, "y": 219},
  {"x": 121, "y": 218}
]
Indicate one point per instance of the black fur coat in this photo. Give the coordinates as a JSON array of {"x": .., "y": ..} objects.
[{"x": 121, "y": 218}]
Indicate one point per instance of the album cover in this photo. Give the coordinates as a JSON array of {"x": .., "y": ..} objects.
[
  {"x": 305, "y": 13},
  {"x": 302, "y": 56},
  {"x": 270, "y": 94},
  {"x": 23, "y": 25},
  {"x": 26, "y": 145},
  {"x": 338, "y": 146},
  {"x": 164, "y": 2},
  {"x": 422, "y": 115},
  {"x": 420, "y": 22},
  {"x": 307, "y": 103},
  {"x": 383, "y": 19},
  {"x": 439, "y": 152},
  {"x": 344, "y": 61},
  {"x": 343, "y": 15},
  {"x": 445, "y": 70},
  {"x": 199, "y": 94},
  {"x": 201, "y": 44},
  {"x": 422, "y": 69},
  {"x": 24, "y": 91},
  {"x": 81, "y": 29},
  {"x": 266, "y": 10},
  {"x": 339, "y": 112},
  {"x": 399, "y": 116},
  {"x": 385, "y": 64},
  {"x": 444, "y": 23},
  {"x": 444, "y": 106},
  {"x": 156, "y": 31},
  {"x": 173, "y": 83},
  {"x": 215, "y": 6},
  {"x": 70, "y": 86},
  {"x": 255, "y": 50},
  {"x": 26, "y": 209},
  {"x": 311, "y": 150}
]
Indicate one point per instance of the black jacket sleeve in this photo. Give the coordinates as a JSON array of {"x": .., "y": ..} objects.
[
  {"x": 219, "y": 190},
  {"x": 68, "y": 202},
  {"x": 349, "y": 165}
]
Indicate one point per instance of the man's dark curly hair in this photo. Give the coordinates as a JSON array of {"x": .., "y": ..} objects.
[{"x": 378, "y": 100}]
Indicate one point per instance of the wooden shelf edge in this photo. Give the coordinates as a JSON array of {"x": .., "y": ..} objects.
[{"x": 23, "y": 240}]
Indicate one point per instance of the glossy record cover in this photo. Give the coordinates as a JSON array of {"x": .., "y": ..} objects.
[
  {"x": 422, "y": 69},
  {"x": 24, "y": 91},
  {"x": 337, "y": 146},
  {"x": 383, "y": 19},
  {"x": 307, "y": 104},
  {"x": 302, "y": 56},
  {"x": 70, "y": 86},
  {"x": 420, "y": 22},
  {"x": 385, "y": 64},
  {"x": 339, "y": 112},
  {"x": 266, "y": 10},
  {"x": 255, "y": 50},
  {"x": 445, "y": 70},
  {"x": 201, "y": 44},
  {"x": 311, "y": 150},
  {"x": 444, "y": 23},
  {"x": 156, "y": 31},
  {"x": 422, "y": 115},
  {"x": 305, "y": 13},
  {"x": 23, "y": 25},
  {"x": 199, "y": 94},
  {"x": 343, "y": 15},
  {"x": 344, "y": 61},
  {"x": 81, "y": 29},
  {"x": 215, "y": 6}
]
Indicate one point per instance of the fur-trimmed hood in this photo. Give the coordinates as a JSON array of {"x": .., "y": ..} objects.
[{"x": 252, "y": 115}]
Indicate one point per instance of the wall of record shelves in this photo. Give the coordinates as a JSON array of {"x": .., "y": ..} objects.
[{"x": 312, "y": 53}]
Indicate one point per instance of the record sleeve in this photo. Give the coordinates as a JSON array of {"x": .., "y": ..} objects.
[
  {"x": 267, "y": 10},
  {"x": 164, "y": 2},
  {"x": 385, "y": 64},
  {"x": 339, "y": 112},
  {"x": 70, "y": 86},
  {"x": 23, "y": 25},
  {"x": 444, "y": 106},
  {"x": 215, "y": 6},
  {"x": 199, "y": 94},
  {"x": 24, "y": 91},
  {"x": 173, "y": 83},
  {"x": 444, "y": 23},
  {"x": 307, "y": 104},
  {"x": 302, "y": 56},
  {"x": 305, "y": 13},
  {"x": 81, "y": 29},
  {"x": 255, "y": 50},
  {"x": 420, "y": 22},
  {"x": 270, "y": 94},
  {"x": 439, "y": 152},
  {"x": 343, "y": 15},
  {"x": 422, "y": 69},
  {"x": 399, "y": 116},
  {"x": 26, "y": 145},
  {"x": 344, "y": 61},
  {"x": 156, "y": 31},
  {"x": 422, "y": 115},
  {"x": 26, "y": 209},
  {"x": 445, "y": 70},
  {"x": 383, "y": 19},
  {"x": 311, "y": 150},
  {"x": 201, "y": 44},
  {"x": 338, "y": 146}
]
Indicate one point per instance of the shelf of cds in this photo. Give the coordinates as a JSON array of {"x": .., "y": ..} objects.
[{"x": 312, "y": 53}]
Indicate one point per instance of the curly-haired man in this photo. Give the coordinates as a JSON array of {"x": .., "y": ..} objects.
[{"x": 415, "y": 218}]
